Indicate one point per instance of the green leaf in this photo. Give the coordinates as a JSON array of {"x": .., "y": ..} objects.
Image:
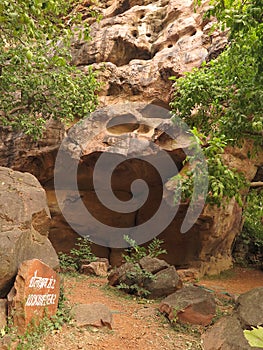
[{"x": 255, "y": 337}]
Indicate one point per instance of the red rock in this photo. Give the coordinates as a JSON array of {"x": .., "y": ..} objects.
[
  {"x": 191, "y": 305},
  {"x": 35, "y": 294}
]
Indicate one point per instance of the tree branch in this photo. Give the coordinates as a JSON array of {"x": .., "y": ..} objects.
[{"x": 256, "y": 184}]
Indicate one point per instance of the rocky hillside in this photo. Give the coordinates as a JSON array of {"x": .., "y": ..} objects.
[{"x": 136, "y": 47}]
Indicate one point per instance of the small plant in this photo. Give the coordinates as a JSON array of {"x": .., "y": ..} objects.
[
  {"x": 135, "y": 253},
  {"x": 74, "y": 260},
  {"x": 137, "y": 278},
  {"x": 255, "y": 337}
]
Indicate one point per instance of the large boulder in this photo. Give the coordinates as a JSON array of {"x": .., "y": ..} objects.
[
  {"x": 24, "y": 225},
  {"x": 110, "y": 132}
]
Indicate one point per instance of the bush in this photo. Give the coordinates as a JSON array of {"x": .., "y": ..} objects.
[{"x": 74, "y": 260}]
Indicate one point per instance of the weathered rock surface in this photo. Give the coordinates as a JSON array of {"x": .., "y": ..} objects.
[
  {"x": 164, "y": 279},
  {"x": 97, "y": 268},
  {"x": 96, "y": 315},
  {"x": 153, "y": 265},
  {"x": 165, "y": 282},
  {"x": 3, "y": 313},
  {"x": 250, "y": 308},
  {"x": 227, "y": 333},
  {"x": 24, "y": 224},
  {"x": 20, "y": 152},
  {"x": 137, "y": 46},
  {"x": 191, "y": 305},
  {"x": 207, "y": 246},
  {"x": 35, "y": 294}
]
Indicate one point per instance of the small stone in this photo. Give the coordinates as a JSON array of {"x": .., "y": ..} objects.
[
  {"x": 188, "y": 275},
  {"x": 153, "y": 265},
  {"x": 95, "y": 315},
  {"x": 97, "y": 268},
  {"x": 166, "y": 282},
  {"x": 191, "y": 305},
  {"x": 35, "y": 294}
]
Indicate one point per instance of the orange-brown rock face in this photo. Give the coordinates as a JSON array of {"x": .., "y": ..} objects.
[
  {"x": 137, "y": 46},
  {"x": 205, "y": 246}
]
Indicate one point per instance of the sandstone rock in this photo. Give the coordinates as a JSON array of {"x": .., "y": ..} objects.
[
  {"x": 3, "y": 313},
  {"x": 226, "y": 334},
  {"x": 35, "y": 294},
  {"x": 153, "y": 265},
  {"x": 97, "y": 268},
  {"x": 165, "y": 282},
  {"x": 190, "y": 305},
  {"x": 116, "y": 256},
  {"x": 250, "y": 308},
  {"x": 126, "y": 273},
  {"x": 207, "y": 246},
  {"x": 138, "y": 46},
  {"x": 96, "y": 315},
  {"x": 24, "y": 224},
  {"x": 20, "y": 152},
  {"x": 188, "y": 275}
]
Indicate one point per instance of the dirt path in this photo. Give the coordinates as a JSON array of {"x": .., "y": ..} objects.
[{"x": 138, "y": 326}]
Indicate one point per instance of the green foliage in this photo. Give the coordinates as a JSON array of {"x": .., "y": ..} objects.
[
  {"x": 136, "y": 252},
  {"x": 37, "y": 79},
  {"x": 224, "y": 98},
  {"x": 255, "y": 337},
  {"x": 137, "y": 288},
  {"x": 252, "y": 232},
  {"x": 74, "y": 260},
  {"x": 223, "y": 182}
]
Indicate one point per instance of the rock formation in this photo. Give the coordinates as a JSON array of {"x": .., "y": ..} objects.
[
  {"x": 24, "y": 225},
  {"x": 136, "y": 48}
]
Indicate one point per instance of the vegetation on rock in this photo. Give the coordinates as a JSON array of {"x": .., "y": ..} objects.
[
  {"x": 223, "y": 101},
  {"x": 137, "y": 276},
  {"x": 252, "y": 232},
  {"x": 37, "y": 79}
]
